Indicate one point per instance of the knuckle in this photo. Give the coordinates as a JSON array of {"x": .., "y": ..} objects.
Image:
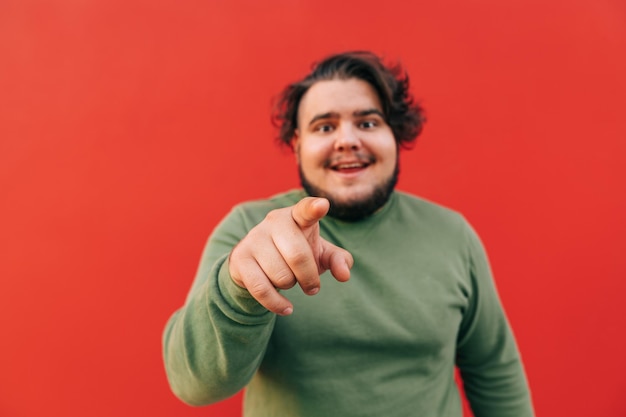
[
  {"x": 259, "y": 290},
  {"x": 274, "y": 215},
  {"x": 299, "y": 259},
  {"x": 271, "y": 215},
  {"x": 265, "y": 295},
  {"x": 284, "y": 280}
]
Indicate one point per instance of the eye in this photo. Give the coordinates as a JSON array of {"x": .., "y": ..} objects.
[
  {"x": 368, "y": 124},
  {"x": 324, "y": 128}
]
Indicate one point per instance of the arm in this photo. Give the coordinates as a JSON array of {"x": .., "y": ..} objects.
[
  {"x": 216, "y": 342},
  {"x": 213, "y": 345},
  {"x": 487, "y": 354}
]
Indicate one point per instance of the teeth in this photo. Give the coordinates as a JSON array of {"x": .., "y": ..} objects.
[{"x": 348, "y": 166}]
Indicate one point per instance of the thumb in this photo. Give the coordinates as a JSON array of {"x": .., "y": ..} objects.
[
  {"x": 337, "y": 259},
  {"x": 308, "y": 211}
]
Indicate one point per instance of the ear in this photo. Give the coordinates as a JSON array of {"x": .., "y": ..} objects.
[{"x": 295, "y": 144}]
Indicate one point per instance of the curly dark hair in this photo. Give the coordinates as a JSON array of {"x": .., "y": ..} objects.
[{"x": 405, "y": 117}]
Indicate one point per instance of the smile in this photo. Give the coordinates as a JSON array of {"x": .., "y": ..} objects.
[{"x": 349, "y": 166}]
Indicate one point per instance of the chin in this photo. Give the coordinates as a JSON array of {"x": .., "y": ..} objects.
[
  {"x": 358, "y": 205},
  {"x": 349, "y": 197}
]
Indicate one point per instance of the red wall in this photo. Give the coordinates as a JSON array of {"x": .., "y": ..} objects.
[{"x": 128, "y": 128}]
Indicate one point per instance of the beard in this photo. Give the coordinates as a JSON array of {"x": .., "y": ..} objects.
[{"x": 354, "y": 209}]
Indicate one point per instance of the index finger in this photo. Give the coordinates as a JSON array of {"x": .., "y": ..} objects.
[{"x": 309, "y": 211}]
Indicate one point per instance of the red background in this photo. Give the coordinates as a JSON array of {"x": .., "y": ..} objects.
[{"x": 129, "y": 128}]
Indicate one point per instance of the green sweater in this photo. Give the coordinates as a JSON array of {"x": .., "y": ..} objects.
[{"x": 420, "y": 300}]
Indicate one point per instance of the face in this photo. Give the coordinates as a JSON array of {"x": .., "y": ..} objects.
[{"x": 346, "y": 151}]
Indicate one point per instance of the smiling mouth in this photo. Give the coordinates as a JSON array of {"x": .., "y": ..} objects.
[{"x": 349, "y": 167}]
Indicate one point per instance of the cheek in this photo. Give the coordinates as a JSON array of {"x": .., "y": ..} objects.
[
  {"x": 388, "y": 153},
  {"x": 313, "y": 154}
]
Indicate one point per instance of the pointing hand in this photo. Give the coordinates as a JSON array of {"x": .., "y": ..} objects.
[{"x": 286, "y": 249}]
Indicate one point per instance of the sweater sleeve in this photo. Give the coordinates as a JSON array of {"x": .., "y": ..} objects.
[
  {"x": 487, "y": 355},
  {"x": 214, "y": 344}
]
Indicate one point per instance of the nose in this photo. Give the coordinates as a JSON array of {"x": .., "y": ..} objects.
[{"x": 347, "y": 138}]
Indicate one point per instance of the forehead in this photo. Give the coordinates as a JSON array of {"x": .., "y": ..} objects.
[{"x": 343, "y": 97}]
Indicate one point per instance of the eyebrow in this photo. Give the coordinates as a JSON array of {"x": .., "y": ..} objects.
[
  {"x": 368, "y": 112},
  {"x": 329, "y": 115},
  {"x": 335, "y": 115}
]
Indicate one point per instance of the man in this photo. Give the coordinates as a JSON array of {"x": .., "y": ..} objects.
[{"x": 412, "y": 295}]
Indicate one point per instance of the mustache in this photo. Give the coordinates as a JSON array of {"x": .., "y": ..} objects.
[{"x": 357, "y": 156}]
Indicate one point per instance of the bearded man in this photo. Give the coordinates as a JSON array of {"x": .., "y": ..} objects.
[{"x": 408, "y": 293}]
